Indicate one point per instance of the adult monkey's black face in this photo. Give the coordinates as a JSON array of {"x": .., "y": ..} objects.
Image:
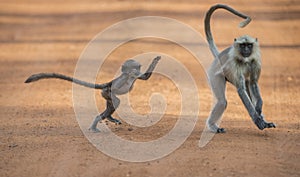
[{"x": 245, "y": 49}]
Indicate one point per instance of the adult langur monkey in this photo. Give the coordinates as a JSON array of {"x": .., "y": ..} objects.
[
  {"x": 121, "y": 85},
  {"x": 239, "y": 64}
]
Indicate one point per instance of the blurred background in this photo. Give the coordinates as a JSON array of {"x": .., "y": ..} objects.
[{"x": 39, "y": 135}]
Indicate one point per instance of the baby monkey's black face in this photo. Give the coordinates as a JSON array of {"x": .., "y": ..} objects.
[{"x": 245, "y": 49}]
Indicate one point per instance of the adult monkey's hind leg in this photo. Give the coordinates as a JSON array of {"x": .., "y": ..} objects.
[{"x": 218, "y": 85}]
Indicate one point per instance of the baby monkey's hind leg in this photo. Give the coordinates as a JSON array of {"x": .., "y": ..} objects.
[
  {"x": 93, "y": 127},
  {"x": 112, "y": 103},
  {"x": 111, "y": 106}
]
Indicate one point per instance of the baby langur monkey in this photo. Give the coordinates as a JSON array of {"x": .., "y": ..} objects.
[
  {"x": 119, "y": 86},
  {"x": 239, "y": 64}
]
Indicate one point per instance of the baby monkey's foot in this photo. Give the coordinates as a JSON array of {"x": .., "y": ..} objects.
[{"x": 116, "y": 121}]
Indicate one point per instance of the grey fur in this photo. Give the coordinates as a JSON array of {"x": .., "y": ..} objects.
[
  {"x": 238, "y": 67},
  {"x": 121, "y": 85}
]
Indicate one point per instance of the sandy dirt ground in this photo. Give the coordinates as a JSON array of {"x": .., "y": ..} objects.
[{"x": 39, "y": 134}]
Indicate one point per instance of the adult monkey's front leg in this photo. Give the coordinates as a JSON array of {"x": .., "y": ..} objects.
[
  {"x": 257, "y": 100},
  {"x": 258, "y": 103},
  {"x": 256, "y": 118}
]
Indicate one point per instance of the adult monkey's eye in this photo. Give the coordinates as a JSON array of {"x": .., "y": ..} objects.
[
  {"x": 242, "y": 45},
  {"x": 250, "y": 45}
]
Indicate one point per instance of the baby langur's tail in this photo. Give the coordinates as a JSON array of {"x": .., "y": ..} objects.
[{"x": 36, "y": 77}]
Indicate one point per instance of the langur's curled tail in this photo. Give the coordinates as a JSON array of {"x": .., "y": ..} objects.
[
  {"x": 209, "y": 37},
  {"x": 36, "y": 77}
]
